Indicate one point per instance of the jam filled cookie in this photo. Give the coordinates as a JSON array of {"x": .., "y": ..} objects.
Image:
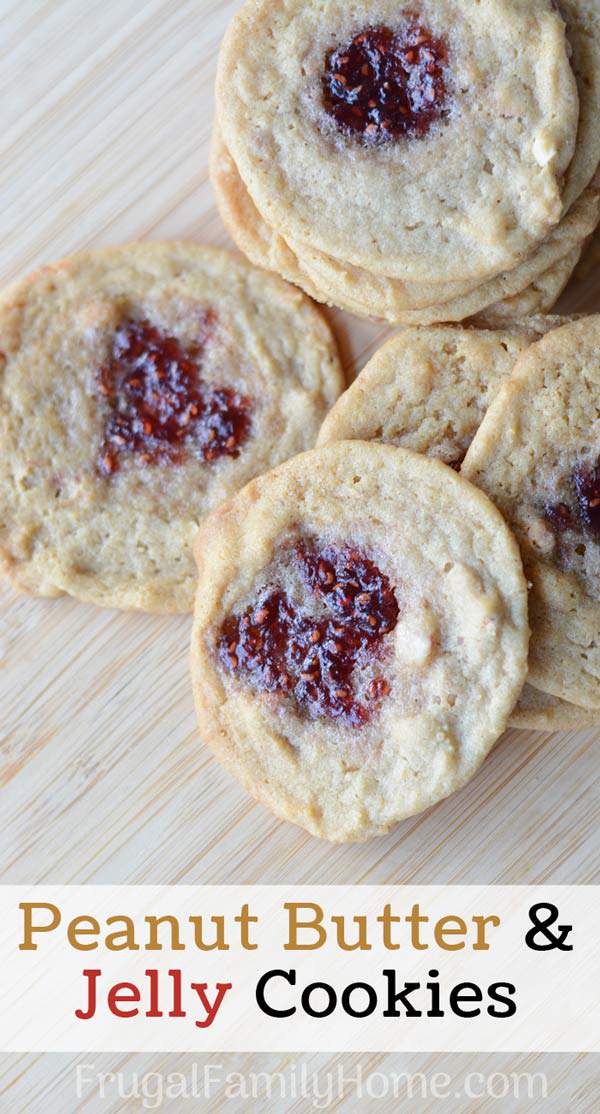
[
  {"x": 428, "y": 390},
  {"x": 428, "y": 145},
  {"x": 532, "y": 285},
  {"x": 360, "y": 636},
  {"x": 142, "y": 386},
  {"x": 537, "y": 455}
]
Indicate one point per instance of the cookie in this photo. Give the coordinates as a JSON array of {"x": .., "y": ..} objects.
[
  {"x": 582, "y": 18},
  {"x": 537, "y": 455},
  {"x": 538, "y": 711},
  {"x": 428, "y": 389},
  {"x": 430, "y": 147},
  {"x": 533, "y": 286},
  {"x": 399, "y": 301},
  {"x": 360, "y": 636},
  {"x": 539, "y": 298},
  {"x": 142, "y": 386}
]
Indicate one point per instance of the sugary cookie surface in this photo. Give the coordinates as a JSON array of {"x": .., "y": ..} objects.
[
  {"x": 428, "y": 390},
  {"x": 530, "y": 288},
  {"x": 360, "y": 636},
  {"x": 141, "y": 387}
]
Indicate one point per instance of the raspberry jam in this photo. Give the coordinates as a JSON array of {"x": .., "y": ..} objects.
[
  {"x": 315, "y": 654},
  {"x": 386, "y": 84},
  {"x": 158, "y": 404},
  {"x": 585, "y": 512}
]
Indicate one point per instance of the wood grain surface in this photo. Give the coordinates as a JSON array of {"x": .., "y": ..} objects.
[{"x": 107, "y": 109}]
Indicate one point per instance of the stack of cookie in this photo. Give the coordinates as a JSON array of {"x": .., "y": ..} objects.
[{"x": 419, "y": 166}]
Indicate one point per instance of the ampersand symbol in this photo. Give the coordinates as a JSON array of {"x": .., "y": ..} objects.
[{"x": 542, "y": 926}]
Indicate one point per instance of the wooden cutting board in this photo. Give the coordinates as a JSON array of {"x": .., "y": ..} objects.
[{"x": 107, "y": 108}]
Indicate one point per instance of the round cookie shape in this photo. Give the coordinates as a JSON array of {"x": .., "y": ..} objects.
[
  {"x": 473, "y": 192},
  {"x": 537, "y": 455},
  {"x": 360, "y": 636},
  {"x": 141, "y": 386}
]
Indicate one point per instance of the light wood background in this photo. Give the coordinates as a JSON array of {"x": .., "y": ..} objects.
[{"x": 106, "y": 110}]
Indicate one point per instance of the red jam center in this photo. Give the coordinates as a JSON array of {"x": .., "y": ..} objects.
[
  {"x": 316, "y": 659},
  {"x": 158, "y": 403},
  {"x": 384, "y": 84},
  {"x": 586, "y": 506}
]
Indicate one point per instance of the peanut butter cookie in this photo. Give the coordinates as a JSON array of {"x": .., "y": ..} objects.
[
  {"x": 360, "y": 636},
  {"x": 140, "y": 387}
]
